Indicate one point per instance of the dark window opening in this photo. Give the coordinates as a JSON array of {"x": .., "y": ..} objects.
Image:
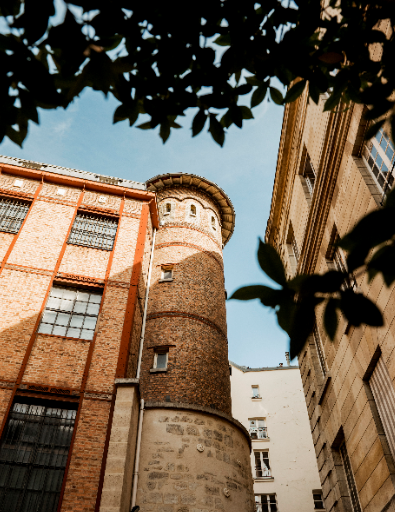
[
  {"x": 93, "y": 231},
  {"x": 33, "y": 455}
]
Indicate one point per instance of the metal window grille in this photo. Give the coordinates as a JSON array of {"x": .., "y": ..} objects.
[
  {"x": 318, "y": 500},
  {"x": 12, "y": 214},
  {"x": 258, "y": 429},
  {"x": 266, "y": 503},
  {"x": 379, "y": 155},
  {"x": 320, "y": 351},
  {"x": 309, "y": 174},
  {"x": 93, "y": 231},
  {"x": 352, "y": 488},
  {"x": 262, "y": 466},
  {"x": 71, "y": 312},
  {"x": 33, "y": 456}
]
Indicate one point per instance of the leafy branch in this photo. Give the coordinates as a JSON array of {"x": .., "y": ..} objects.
[
  {"x": 156, "y": 65},
  {"x": 370, "y": 250}
]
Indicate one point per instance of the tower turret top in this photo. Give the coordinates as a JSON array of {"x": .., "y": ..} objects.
[{"x": 225, "y": 205}]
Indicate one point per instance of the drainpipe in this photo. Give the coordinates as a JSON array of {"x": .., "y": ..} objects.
[
  {"x": 145, "y": 307},
  {"x": 137, "y": 459}
]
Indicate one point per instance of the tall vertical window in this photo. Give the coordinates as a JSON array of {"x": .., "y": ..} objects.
[
  {"x": 33, "y": 455},
  {"x": 93, "y": 231},
  {"x": 258, "y": 429},
  {"x": 336, "y": 260},
  {"x": 318, "y": 500},
  {"x": 262, "y": 466},
  {"x": 192, "y": 211},
  {"x": 352, "y": 488},
  {"x": 255, "y": 392},
  {"x": 12, "y": 214},
  {"x": 378, "y": 154},
  {"x": 160, "y": 359},
  {"x": 167, "y": 209},
  {"x": 309, "y": 174},
  {"x": 292, "y": 248},
  {"x": 384, "y": 397},
  {"x": 265, "y": 503},
  {"x": 213, "y": 223},
  {"x": 71, "y": 312},
  {"x": 320, "y": 351}
]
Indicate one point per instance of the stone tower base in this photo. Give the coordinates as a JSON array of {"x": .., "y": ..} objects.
[{"x": 193, "y": 459}]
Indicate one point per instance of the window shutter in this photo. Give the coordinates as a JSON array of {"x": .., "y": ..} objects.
[{"x": 384, "y": 395}]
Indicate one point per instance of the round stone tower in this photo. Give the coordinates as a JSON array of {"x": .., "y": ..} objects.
[{"x": 194, "y": 455}]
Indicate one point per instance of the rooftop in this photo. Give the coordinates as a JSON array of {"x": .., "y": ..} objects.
[
  {"x": 245, "y": 369},
  {"x": 75, "y": 173}
]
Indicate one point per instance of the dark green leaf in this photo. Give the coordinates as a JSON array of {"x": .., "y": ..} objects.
[
  {"x": 253, "y": 80},
  {"x": 276, "y": 96},
  {"x": 223, "y": 40},
  {"x": 246, "y": 113},
  {"x": 216, "y": 130},
  {"x": 383, "y": 262},
  {"x": 268, "y": 296},
  {"x": 226, "y": 119},
  {"x": 390, "y": 199},
  {"x": 237, "y": 76},
  {"x": 295, "y": 91},
  {"x": 330, "y": 317},
  {"x": 302, "y": 324},
  {"x": 164, "y": 130},
  {"x": 330, "y": 282},
  {"x": 332, "y": 102},
  {"x": 358, "y": 309},
  {"x": 236, "y": 115},
  {"x": 145, "y": 126},
  {"x": 198, "y": 123},
  {"x": 270, "y": 262},
  {"x": 258, "y": 95}
]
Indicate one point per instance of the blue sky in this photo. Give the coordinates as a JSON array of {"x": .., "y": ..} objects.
[{"x": 83, "y": 137}]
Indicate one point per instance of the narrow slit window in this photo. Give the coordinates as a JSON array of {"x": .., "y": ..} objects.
[
  {"x": 12, "y": 214},
  {"x": 262, "y": 465},
  {"x": 33, "y": 454},
  {"x": 167, "y": 210},
  {"x": 320, "y": 351},
  {"x": 71, "y": 312},
  {"x": 318, "y": 500},
  {"x": 352, "y": 488},
  {"x": 193, "y": 210},
  {"x": 93, "y": 231},
  {"x": 309, "y": 174},
  {"x": 213, "y": 223}
]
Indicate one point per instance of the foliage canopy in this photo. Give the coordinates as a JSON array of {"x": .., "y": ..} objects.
[{"x": 162, "y": 60}]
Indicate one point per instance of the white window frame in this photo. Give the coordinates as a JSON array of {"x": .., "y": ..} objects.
[
  {"x": 264, "y": 469},
  {"x": 160, "y": 352},
  {"x": 257, "y": 426},
  {"x": 258, "y": 396},
  {"x": 258, "y": 504},
  {"x": 378, "y": 159}
]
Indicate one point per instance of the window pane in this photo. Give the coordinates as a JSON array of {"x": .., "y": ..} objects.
[
  {"x": 57, "y": 292},
  {"x": 45, "y": 329},
  {"x": 77, "y": 321},
  {"x": 390, "y": 151},
  {"x": 53, "y": 303},
  {"x": 80, "y": 307},
  {"x": 73, "y": 333},
  {"x": 12, "y": 214},
  {"x": 93, "y": 309},
  {"x": 62, "y": 319},
  {"x": 87, "y": 335},
  {"x": 161, "y": 360},
  {"x": 83, "y": 296},
  {"x": 49, "y": 317},
  {"x": 59, "y": 331},
  {"x": 90, "y": 322},
  {"x": 66, "y": 305},
  {"x": 93, "y": 231}
]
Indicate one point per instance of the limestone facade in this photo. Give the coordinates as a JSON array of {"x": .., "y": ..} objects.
[{"x": 325, "y": 182}]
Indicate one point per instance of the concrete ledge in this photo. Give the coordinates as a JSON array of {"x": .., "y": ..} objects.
[
  {"x": 200, "y": 408},
  {"x": 324, "y": 388},
  {"x": 126, "y": 382}
]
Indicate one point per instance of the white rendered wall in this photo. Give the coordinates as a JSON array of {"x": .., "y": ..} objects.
[{"x": 291, "y": 450}]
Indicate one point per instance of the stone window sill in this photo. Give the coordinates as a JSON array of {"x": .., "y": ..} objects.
[
  {"x": 256, "y": 398},
  {"x": 264, "y": 479},
  {"x": 264, "y": 440},
  {"x": 166, "y": 280},
  {"x": 158, "y": 370}
]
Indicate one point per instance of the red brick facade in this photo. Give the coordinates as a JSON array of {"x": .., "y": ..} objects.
[{"x": 187, "y": 315}]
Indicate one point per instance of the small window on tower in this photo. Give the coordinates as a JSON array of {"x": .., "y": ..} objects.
[
  {"x": 167, "y": 209},
  {"x": 160, "y": 359},
  {"x": 255, "y": 392},
  {"x": 167, "y": 273},
  {"x": 213, "y": 224},
  {"x": 193, "y": 210}
]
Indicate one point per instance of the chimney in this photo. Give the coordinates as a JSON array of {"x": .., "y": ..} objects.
[{"x": 287, "y": 358}]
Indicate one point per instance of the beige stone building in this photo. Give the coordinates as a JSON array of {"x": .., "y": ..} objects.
[
  {"x": 327, "y": 179},
  {"x": 270, "y": 403}
]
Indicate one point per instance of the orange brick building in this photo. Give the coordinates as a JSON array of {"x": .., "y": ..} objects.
[{"x": 112, "y": 291}]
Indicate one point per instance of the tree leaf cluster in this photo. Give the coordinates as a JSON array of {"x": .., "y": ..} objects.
[
  {"x": 370, "y": 247},
  {"x": 162, "y": 60}
]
